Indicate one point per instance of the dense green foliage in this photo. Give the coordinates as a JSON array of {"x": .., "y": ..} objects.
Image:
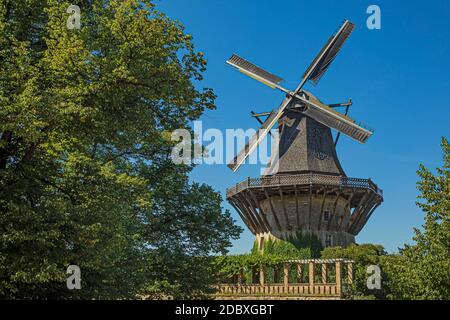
[
  {"x": 424, "y": 270},
  {"x": 272, "y": 255},
  {"x": 300, "y": 245},
  {"x": 307, "y": 241},
  {"x": 86, "y": 176},
  {"x": 229, "y": 267},
  {"x": 363, "y": 255},
  {"x": 420, "y": 270}
]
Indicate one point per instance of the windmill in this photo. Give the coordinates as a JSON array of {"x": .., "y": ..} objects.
[{"x": 306, "y": 190}]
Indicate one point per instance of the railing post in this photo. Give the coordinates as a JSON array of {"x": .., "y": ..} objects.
[{"x": 338, "y": 278}]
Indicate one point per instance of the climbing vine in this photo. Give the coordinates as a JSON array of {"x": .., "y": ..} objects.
[{"x": 272, "y": 255}]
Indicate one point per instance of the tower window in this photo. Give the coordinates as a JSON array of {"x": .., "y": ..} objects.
[{"x": 326, "y": 215}]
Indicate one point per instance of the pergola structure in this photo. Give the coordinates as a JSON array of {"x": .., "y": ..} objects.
[{"x": 295, "y": 279}]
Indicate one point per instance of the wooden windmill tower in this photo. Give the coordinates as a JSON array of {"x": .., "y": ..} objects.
[{"x": 305, "y": 189}]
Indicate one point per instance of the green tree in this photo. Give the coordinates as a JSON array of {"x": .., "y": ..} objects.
[
  {"x": 425, "y": 269},
  {"x": 420, "y": 270},
  {"x": 364, "y": 255},
  {"x": 86, "y": 176}
]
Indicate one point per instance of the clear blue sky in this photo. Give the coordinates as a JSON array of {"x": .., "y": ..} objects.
[{"x": 398, "y": 77}]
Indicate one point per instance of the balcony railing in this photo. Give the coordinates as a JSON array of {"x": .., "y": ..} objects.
[{"x": 304, "y": 179}]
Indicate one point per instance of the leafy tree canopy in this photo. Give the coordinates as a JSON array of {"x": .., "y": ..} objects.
[
  {"x": 86, "y": 176},
  {"x": 364, "y": 255},
  {"x": 424, "y": 273},
  {"x": 420, "y": 270}
]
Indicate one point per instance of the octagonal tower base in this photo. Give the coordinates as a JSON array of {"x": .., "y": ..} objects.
[{"x": 305, "y": 190}]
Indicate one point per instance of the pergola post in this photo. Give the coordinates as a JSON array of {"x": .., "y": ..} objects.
[
  {"x": 350, "y": 272},
  {"x": 261, "y": 275},
  {"x": 338, "y": 278},
  {"x": 286, "y": 276},
  {"x": 299, "y": 273},
  {"x": 311, "y": 276},
  {"x": 324, "y": 273}
]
